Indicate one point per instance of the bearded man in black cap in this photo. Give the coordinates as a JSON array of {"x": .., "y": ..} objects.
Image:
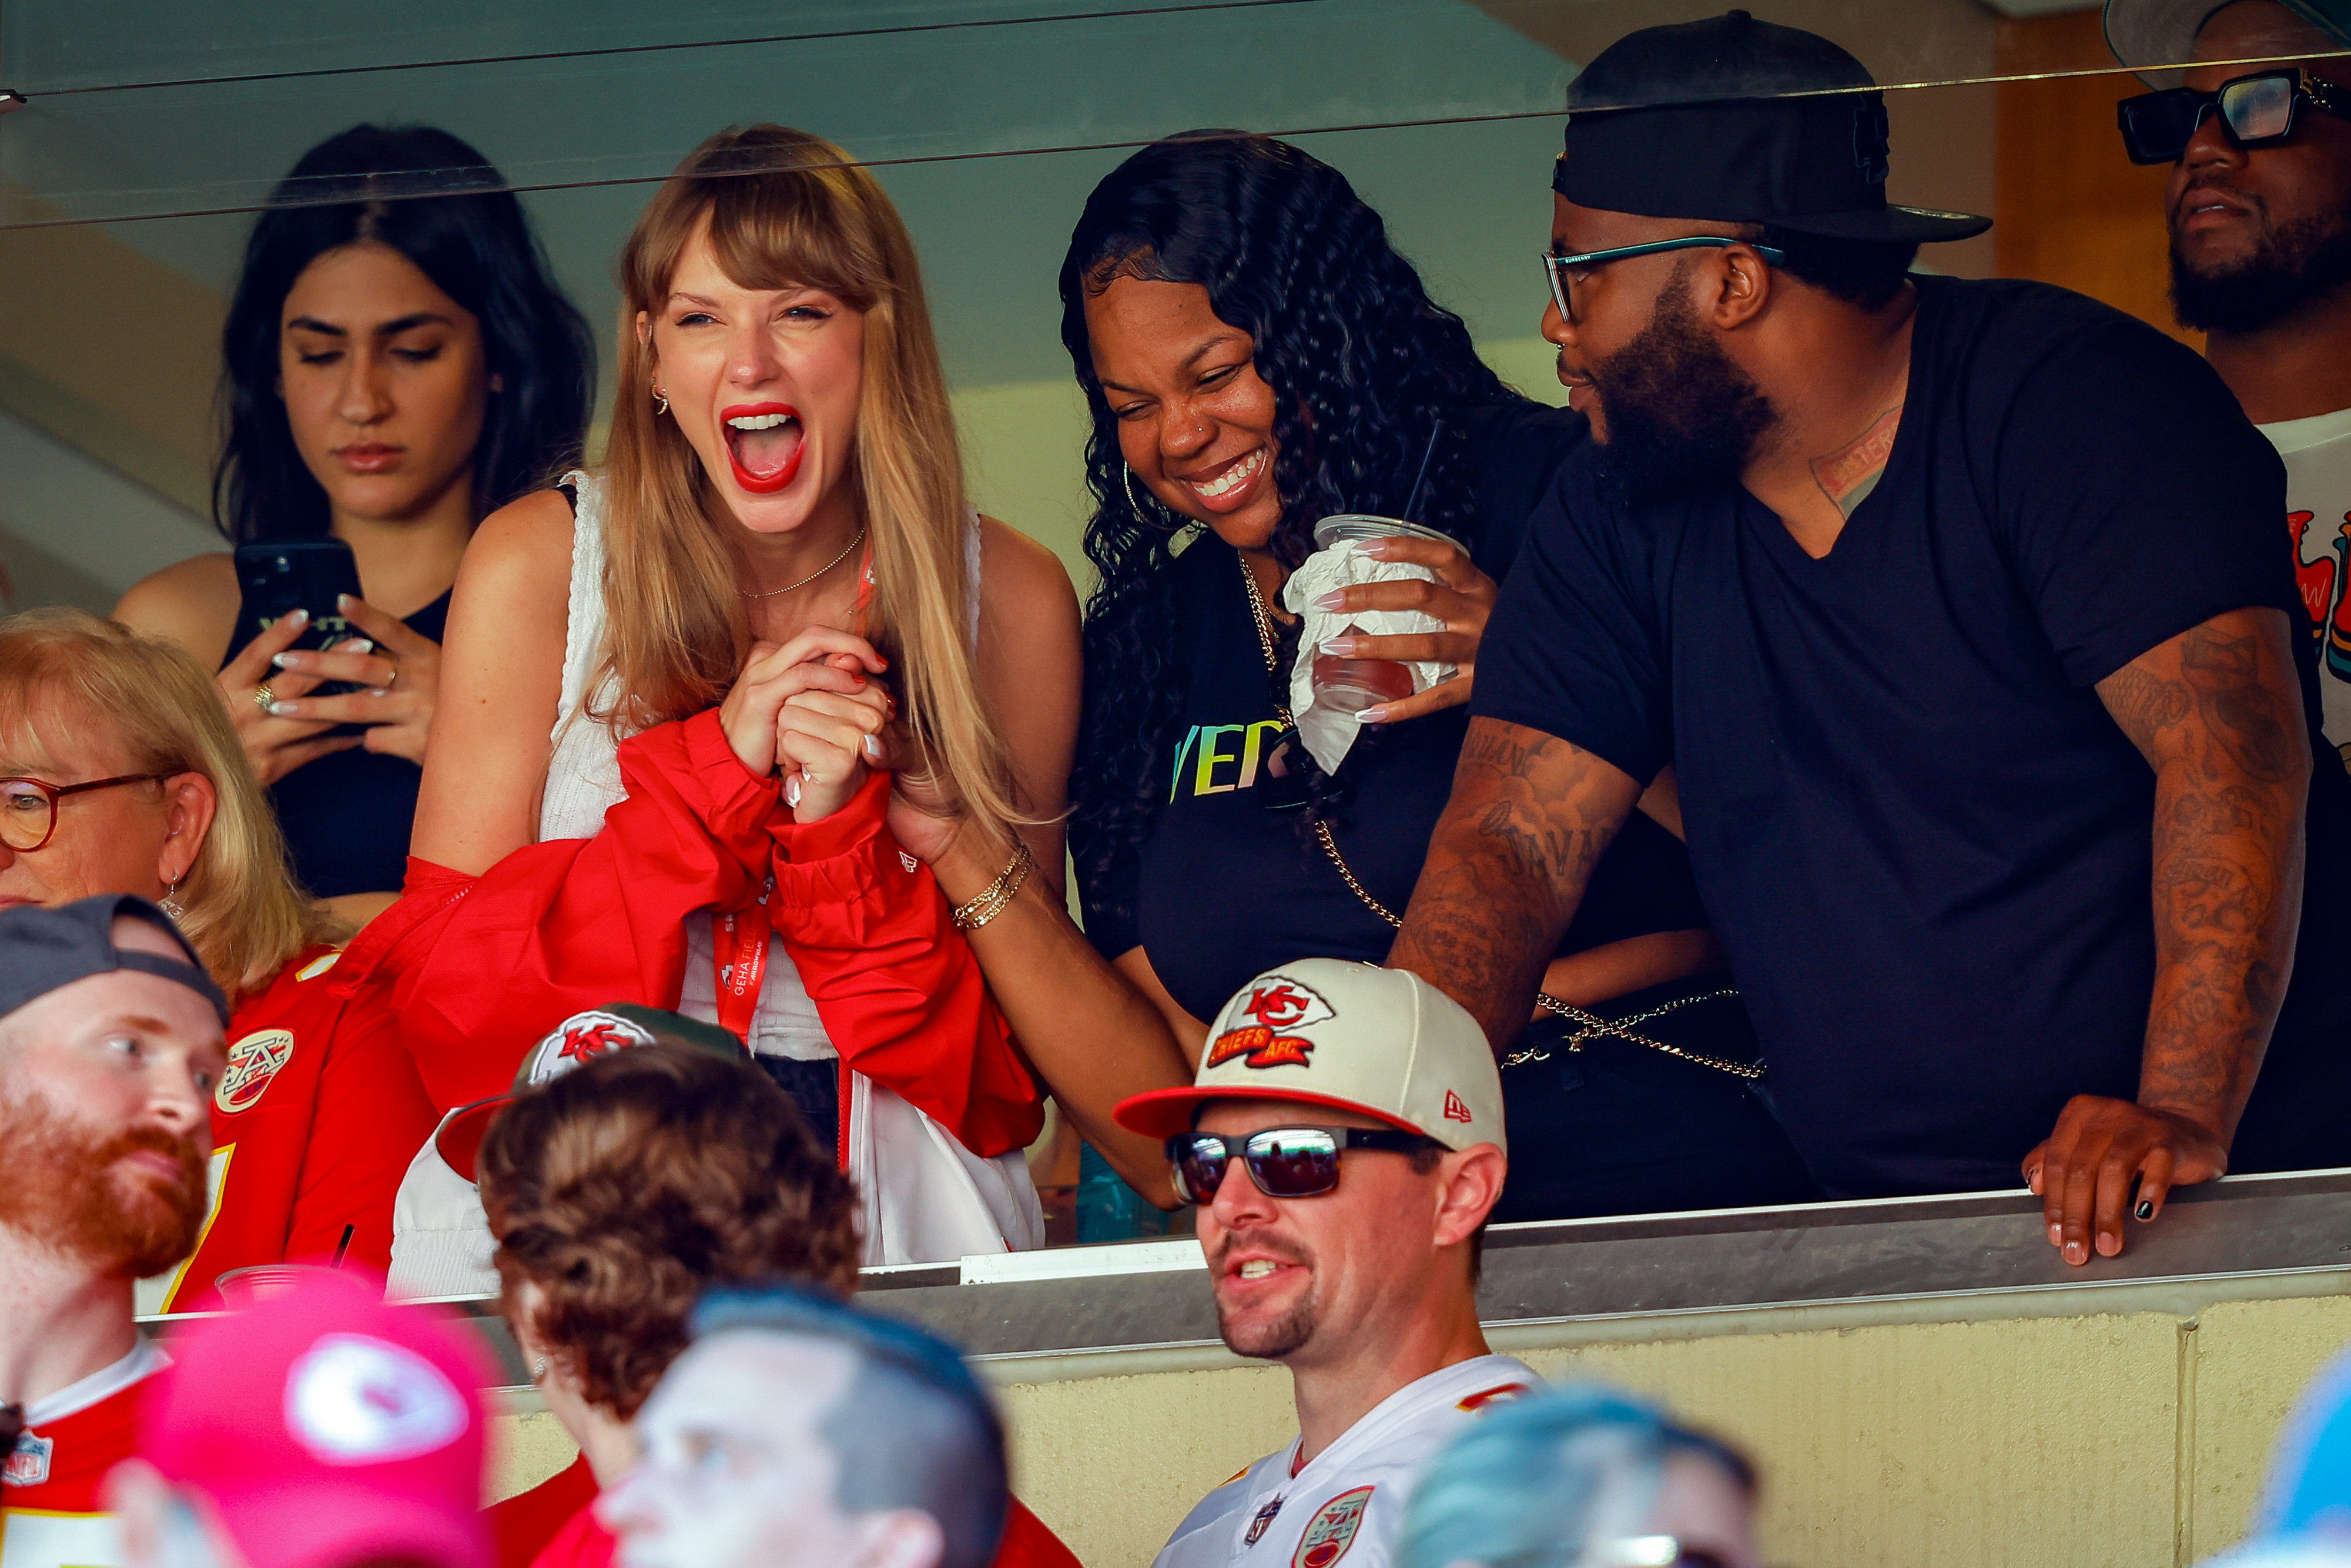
[{"x": 1957, "y": 610}]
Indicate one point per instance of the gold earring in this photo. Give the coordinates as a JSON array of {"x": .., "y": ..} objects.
[{"x": 661, "y": 399}]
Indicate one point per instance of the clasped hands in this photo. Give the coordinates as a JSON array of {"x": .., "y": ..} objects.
[{"x": 2084, "y": 1170}]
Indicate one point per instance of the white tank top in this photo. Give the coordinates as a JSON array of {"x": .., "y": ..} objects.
[{"x": 583, "y": 780}]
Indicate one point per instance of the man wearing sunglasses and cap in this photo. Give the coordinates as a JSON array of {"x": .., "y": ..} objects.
[
  {"x": 1344, "y": 1142},
  {"x": 2259, "y": 208},
  {"x": 1957, "y": 611},
  {"x": 110, "y": 1042}
]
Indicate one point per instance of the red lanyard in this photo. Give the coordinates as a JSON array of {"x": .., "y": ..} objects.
[{"x": 739, "y": 950}]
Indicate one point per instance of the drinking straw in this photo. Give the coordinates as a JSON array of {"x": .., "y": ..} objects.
[
  {"x": 343, "y": 1246},
  {"x": 1413, "y": 499}
]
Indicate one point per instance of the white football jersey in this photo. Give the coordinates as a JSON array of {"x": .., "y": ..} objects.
[{"x": 1349, "y": 1502}]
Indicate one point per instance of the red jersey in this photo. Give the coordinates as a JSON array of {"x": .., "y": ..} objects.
[
  {"x": 53, "y": 1486},
  {"x": 523, "y": 1523},
  {"x": 478, "y": 968},
  {"x": 314, "y": 1124},
  {"x": 581, "y": 1544}
]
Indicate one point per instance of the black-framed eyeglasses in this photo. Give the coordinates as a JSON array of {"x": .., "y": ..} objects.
[
  {"x": 29, "y": 807},
  {"x": 1558, "y": 269},
  {"x": 2257, "y": 110},
  {"x": 1284, "y": 1162}
]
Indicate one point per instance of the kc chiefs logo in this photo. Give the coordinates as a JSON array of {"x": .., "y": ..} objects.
[
  {"x": 581, "y": 1040},
  {"x": 1278, "y": 1004}
]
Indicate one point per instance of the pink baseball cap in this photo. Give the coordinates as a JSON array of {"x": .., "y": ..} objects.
[{"x": 329, "y": 1428}]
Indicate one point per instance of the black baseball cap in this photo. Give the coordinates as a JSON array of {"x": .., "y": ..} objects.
[
  {"x": 42, "y": 950},
  {"x": 1733, "y": 119}
]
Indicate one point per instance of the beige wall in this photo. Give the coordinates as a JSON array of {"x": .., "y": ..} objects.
[{"x": 2125, "y": 1439}]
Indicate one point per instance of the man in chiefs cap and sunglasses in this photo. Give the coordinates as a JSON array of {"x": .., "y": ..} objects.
[{"x": 1343, "y": 1142}]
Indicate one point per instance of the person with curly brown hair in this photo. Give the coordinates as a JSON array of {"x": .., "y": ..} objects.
[{"x": 619, "y": 1193}]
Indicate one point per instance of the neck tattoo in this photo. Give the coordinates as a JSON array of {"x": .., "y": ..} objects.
[{"x": 1848, "y": 474}]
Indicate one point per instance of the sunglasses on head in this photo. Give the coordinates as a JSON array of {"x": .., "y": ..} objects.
[
  {"x": 1284, "y": 1162},
  {"x": 2257, "y": 110}
]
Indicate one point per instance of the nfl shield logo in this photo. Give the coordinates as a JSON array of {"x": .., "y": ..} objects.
[
  {"x": 28, "y": 1465},
  {"x": 1257, "y": 1526}
]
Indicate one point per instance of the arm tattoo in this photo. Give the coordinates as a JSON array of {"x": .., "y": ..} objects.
[
  {"x": 2216, "y": 713},
  {"x": 1529, "y": 817},
  {"x": 1848, "y": 474}
]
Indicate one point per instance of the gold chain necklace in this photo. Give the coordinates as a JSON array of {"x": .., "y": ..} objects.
[
  {"x": 856, "y": 539},
  {"x": 1587, "y": 1024}
]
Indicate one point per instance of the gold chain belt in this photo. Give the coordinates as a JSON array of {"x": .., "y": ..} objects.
[{"x": 1587, "y": 1024}]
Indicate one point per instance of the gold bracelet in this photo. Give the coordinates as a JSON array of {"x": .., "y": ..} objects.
[{"x": 999, "y": 894}]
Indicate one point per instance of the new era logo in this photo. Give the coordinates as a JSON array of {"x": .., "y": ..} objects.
[{"x": 1455, "y": 1111}]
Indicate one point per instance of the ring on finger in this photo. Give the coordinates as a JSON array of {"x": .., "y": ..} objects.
[{"x": 263, "y": 697}]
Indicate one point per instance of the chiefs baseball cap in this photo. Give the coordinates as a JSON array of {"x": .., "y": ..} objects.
[
  {"x": 567, "y": 1047},
  {"x": 327, "y": 1427},
  {"x": 2155, "y": 37},
  {"x": 42, "y": 950},
  {"x": 1324, "y": 1032}
]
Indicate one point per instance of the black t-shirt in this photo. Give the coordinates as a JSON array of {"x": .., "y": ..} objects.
[
  {"x": 1223, "y": 889},
  {"x": 1925, "y": 843}
]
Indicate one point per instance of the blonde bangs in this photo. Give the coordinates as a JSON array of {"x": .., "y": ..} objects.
[
  {"x": 785, "y": 208},
  {"x": 68, "y": 673}
]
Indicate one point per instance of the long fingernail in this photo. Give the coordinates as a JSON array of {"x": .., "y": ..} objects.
[
  {"x": 2076, "y": 1252},
  {"x": 874, "y": 747},
  {"x": 2057, "y": 1233},
  {"x": 344, "y": 602},
  {"x": 1376, "y": 549},
  {"x": 792, "y": 790},
  {"x": 358, "y": 645},
  {"x": 2146, "y": 1210},
  {"x": 287, "y": 661},
  {"x": 299, "y": 618},
  {"x": 1333, "y": 599},
  {"x": 283, "y": 710},
  {"x": 1371, "y": 716},
  {"x": 1338, "y": 647}
]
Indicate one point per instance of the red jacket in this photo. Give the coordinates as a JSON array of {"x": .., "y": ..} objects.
[
  {"x": 478, "y": 968},
  {"x": 314, "y": 1122}
]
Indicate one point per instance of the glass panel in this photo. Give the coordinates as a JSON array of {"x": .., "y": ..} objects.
[{"x": 1014, "y": 86}]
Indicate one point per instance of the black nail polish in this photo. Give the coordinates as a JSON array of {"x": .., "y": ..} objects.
[{"x": 2146, "y": 1210}]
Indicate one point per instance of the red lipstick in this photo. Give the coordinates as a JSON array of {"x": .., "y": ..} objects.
[{"x": 763, "y": 483}]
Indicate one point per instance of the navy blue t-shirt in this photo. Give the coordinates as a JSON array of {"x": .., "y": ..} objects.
[{"x": 1924, "y": 842}]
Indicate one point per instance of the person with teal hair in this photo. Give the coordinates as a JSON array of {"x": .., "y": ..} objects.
[{"x": 1581, "y": 1477}]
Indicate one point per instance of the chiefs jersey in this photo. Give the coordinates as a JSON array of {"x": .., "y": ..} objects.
[
  {"x": 314, "y": 1122},
  {"x": 1349, "y": 1501},
  {"x": 52, "y": 1488}
]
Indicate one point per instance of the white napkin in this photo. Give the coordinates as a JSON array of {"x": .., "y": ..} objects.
[{"x": 1329, "y": 735}]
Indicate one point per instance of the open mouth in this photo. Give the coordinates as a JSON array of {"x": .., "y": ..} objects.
[
  {"x": 764, "y": 443},
  {"x": 1230, "y": 487}
]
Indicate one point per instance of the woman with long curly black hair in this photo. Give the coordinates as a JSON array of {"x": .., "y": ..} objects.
[{"x": 1257, "y": 356}]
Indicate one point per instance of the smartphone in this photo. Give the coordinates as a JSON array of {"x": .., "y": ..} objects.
[{"x": 275, "y": 580}]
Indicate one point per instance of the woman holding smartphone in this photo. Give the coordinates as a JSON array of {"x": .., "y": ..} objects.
[
  {"x": 672, "y": 684},
  {"x": 394, "y": 370}
]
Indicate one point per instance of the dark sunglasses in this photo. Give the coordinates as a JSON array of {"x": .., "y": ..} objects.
[
  {"x": 1284, "y": 1162},
  {"x": 2257, "y": 110}
]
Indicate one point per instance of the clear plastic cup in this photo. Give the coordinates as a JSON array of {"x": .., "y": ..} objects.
[
  {"x": 258, "y": 1282},
  {"x": 1350, "y": 686}
]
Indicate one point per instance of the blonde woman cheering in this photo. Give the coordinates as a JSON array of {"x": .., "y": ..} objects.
[{"x": 668, "y": 684}]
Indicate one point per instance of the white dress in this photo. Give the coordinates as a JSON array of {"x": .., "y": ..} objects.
[{"x": 926, "y": 1197}]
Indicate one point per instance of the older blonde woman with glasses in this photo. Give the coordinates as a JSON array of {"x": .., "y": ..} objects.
[
  {"x": 676, "y": 690},
  {"x": 119, "y": 773}
]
